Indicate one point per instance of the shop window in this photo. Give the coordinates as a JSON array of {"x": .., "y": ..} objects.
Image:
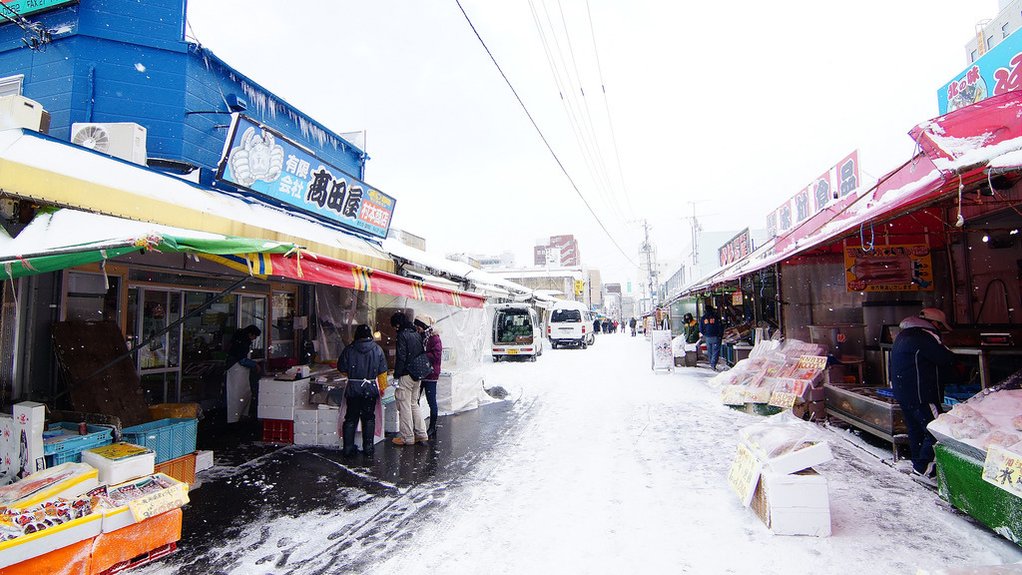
[
  {"x": 1005, "y": 30},
  {"x": 990, "y": 42},
  {"x": 92, "y": 297},
  {"x": 282, "y": 332},
  {"x": 252, "y": 311},
  {"x": 972, "y": 56}
]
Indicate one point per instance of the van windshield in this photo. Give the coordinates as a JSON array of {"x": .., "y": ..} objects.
[
  {"x": 513, "y": 326},
  {"x": 566, "y": 315}
]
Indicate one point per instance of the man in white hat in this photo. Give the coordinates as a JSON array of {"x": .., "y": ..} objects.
[{"x": 919, "y": 363}]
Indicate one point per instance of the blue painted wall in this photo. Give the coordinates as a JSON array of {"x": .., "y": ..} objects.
[{"x": 127, "y": 61}]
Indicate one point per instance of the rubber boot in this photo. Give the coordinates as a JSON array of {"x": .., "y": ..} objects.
[
  {"x": 431, "y": 428},
  {"x": 348, "y": 433},
  {"x": 368, "y": 432}
]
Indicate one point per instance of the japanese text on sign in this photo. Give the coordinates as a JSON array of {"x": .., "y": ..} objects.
[
  {"x": 266, "y": 162},
  {"x": 159, "y": 502},
  {"x": 1003, "y": 469},
  {"x": 744, "y": 474},
  {"x": 837, "y": 182}
]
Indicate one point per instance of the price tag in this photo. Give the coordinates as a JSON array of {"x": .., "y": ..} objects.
[
  {"x": 162, "y": 501},
  {"x": 744, "y": 474},
  {"x": 732, "y": 395},
  {"x": 782, "y": 399},
  {"x": 1003, "y": 469},
  {"x": 816, "y": 362}
]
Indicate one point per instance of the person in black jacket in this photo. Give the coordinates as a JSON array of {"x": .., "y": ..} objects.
[
  {"x": 365, "y": 366},
  {"x": 712, "y": 329},
  {"x": 918, "y": 359},
  {"x": 238, "y": 351},
  {"x": 411, "y": 426}
]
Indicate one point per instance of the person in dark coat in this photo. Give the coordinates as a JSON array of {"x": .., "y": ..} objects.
[
  {"x": 434, "y": 351},
  {"x": 712, "y": 329},
  {"x": 409, "y": 345},
  {"x": 690, "y": 328},
  {"x": 365, "y": 365},
  {"x": 238, "y": 351},
  {"x": 631, "y": 324},
  {"x": 919, "y": 362}
]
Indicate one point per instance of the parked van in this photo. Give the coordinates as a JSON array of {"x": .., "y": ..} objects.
[
  {"x": 571, "y": 324},
  {"x": 516, "y": 332}
]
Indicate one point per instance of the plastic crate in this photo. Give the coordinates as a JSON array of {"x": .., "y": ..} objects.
[
  {"x": 278, "y": 431},
  {"x": 72, "y": 444},
  {"x": 169, "y": 438},
  {"x": 182, "y": 468}
]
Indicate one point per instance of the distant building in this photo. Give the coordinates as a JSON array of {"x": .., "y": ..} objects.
[
  {"x": 484, "y": 261},
  {"x": 558, "y": 251},
  {"x": 567, "y": 282},
  {"x": 990, "y": 33}
]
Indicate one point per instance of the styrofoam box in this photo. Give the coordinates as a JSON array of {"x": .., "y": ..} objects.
[
  {"x": 286, "y": 412},
  {"x": 284, "y": 393},
  {"x": 35, "y": 544},
  {"x": 119, "y": 517},
  {"x": 796, "y": 504},
  {"x": 113, "y": 471},
  {"x": 203, "y": 460},
  {"x": 390, "y": 424},
  {"x": 798, "y": 521},
  {"x": 801, "y": 459},
  {"x": 306, "y": 438},
  {"x": 306, "y": 421},
  {"x": 328, "y": 439}
]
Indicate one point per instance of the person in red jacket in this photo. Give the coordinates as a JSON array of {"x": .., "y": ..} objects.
[{"x": 434, "y": 351}]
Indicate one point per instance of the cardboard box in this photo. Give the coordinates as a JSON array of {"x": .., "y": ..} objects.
[
  {"x": 203, "y": 460},
  {"x": 793, "y": 504},
  {"x": 29, "y": 423}
]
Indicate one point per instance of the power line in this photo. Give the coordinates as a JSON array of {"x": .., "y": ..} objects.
[{"x": 540, "y": 132}]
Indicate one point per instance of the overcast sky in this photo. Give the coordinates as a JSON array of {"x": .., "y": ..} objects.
[{"x": 734, "y": 106}]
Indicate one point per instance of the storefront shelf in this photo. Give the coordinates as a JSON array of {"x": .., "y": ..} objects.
[{"x": 961, "y": 484}]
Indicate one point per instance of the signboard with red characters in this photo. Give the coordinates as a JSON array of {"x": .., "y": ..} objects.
[
  {"x": 889, "y": 268},
  {"x": 996, "y": 72},
  {"x": 837, "y": 182}
]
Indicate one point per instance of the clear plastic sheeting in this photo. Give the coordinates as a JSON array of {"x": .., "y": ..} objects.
[
  {"x": 785, "y": 443},
  {"x": 338, "y": 311}
]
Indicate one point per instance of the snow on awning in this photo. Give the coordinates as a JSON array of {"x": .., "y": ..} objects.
[
  {"x": 52, "y": 171},
  {"x": 956, "y": 150},
  {"x": 483, "y": 280}
]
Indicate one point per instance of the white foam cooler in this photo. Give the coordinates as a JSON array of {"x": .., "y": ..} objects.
[{"x": 120, "y": 462}]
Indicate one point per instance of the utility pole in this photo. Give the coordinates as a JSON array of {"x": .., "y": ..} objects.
[
  {"x": 696, "y": 228},
  {"x": 651, "y": 274}
]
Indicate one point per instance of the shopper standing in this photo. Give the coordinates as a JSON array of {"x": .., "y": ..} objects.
[
  {"x": 238, "y": 351},
  {"x": 434, "y": 351},
  {"x": 365, "y": 366},
  {"x": 409, "y": 345},
  {"x": 631, "y": 324},
  {"x": 712, "y": 329},
  {"x": 918, "y": 358}
]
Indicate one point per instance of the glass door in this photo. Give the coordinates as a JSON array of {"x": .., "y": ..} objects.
[
  {"x": 252, "y": 311},
  {"x": 159, "y": 362}
]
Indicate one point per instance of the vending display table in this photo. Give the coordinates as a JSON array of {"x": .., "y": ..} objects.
[{"x": 960, "y": 483}]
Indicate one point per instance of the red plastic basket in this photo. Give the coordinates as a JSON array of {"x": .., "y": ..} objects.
[{"x": 278, "y": 431}]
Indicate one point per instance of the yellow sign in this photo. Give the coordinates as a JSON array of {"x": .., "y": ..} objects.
[
  {"x": 817, "y": 362},
  {"x": 121, "y": 450},
  {"x": 580, "y": 287},
  {"x": 782, "y": 399},
  {"x": 744, "y": 474},
  {"x": 159, "y": 502},
  {"x": 1003, "y": 469},
  {"x": 889, "y": 268}
]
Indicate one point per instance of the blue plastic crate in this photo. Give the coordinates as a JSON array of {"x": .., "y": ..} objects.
[
  {"x": 169, "y": 438},
  {"x": 62, "y": 442}
]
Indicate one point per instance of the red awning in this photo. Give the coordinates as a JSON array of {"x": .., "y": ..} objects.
[
  {"x": 321, "y": 269},
  {"x": 956, "y": 149}
]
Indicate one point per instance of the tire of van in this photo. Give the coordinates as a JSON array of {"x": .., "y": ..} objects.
[
  {"x": 553, "y": 344},
  {"x": 496, "y": 359}
]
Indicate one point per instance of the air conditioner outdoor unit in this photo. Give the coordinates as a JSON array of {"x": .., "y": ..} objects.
[
  {"x": 20, "y": 112},
  {"x": 124, "y": 140}
]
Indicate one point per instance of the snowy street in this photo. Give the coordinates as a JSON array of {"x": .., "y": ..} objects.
[{"x": 593, "y": 464}]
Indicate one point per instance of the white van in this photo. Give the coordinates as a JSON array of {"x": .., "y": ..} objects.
[
  {"x": 516, "y": 332},
  {"x": 570, "y": 324}
]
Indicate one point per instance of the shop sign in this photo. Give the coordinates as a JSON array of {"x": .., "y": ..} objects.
[
  {"x": 736, "y": 248},
  {"x": 837, "y": 182},
  {"x": 263, "y": 161},
  {"x": 744, "y": 474},
  {"x": 889, "y": 268},
  {"x": 736, "y": 298},
  {"x": 26, "y": 7},
  {"x": 996, "y": 72},
  {"x": 1003, "y": 469},
  {"x": 663, "y": 354}
]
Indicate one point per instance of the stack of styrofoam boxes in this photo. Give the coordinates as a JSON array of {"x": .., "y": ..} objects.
[
  {"x": 328, "y": 421},
  {"x": 791, "y": 498},
  {"x": 306, "y": 427},
  {"x": 280, "y": 399}
]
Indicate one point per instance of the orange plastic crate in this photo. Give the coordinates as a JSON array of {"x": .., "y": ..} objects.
[
  {"x": 278, "y": 431},
  {"x": 182, "y": 468}
]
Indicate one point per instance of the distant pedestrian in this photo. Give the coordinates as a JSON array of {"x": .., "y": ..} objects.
[
  {"x": 712, "y": 329},
  {"x": 690, "y": 328},
  {"x": 409, "y": 345},
  {"x": 631, "y": 325},
  {"x": 434, "y": 351},
  {"x": 365, "y": 366},
  {"x": 596, "y": 326}
]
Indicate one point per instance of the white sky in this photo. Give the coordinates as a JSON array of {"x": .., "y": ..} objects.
[{"x": 734, "y": 106}]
